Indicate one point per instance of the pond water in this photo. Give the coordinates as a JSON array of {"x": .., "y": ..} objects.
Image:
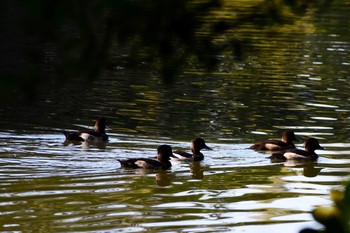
[{"x": 296, "y": 81}]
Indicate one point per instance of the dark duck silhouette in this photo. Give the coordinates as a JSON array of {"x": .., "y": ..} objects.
[
  {"x": 310, "y": 145},
  {"x": 162, "y": 162},
  {"x": 285, "y": 143},
  {"x": 98, "y": 134},
  {"x": 197, "y": 145}
]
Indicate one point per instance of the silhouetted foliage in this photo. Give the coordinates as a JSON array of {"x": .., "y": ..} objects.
[
  {"x": 335, "y": 218},
  {"x": 47, "y": 41}
]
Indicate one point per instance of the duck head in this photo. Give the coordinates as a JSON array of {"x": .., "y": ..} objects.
[
  {"x": 312, "y": 144},
  {"x": 198, "y": 144},
  {"x": 164, "y": 152},
  {"x": 289, "y": 136}
]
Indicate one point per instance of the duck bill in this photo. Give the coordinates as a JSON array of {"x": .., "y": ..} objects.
[
  {"x": 207, "y": 147},
  {"x": 321, "y": 148}
]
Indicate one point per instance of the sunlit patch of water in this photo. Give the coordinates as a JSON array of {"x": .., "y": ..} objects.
[{"x": 83, "y": 187}]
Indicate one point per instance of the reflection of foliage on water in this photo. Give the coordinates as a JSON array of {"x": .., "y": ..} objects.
[
  {"x": 70, "y": 38},
  {"x": 335, "y": 218}
]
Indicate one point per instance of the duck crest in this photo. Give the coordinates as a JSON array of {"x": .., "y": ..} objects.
[{"x": 288, "y": 136}]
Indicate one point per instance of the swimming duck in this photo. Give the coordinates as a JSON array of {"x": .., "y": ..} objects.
[
  {"x": 277, "y": 145},
  {"x": 162, "y": 162},
  {"x": 310, "y": 145},
  {"x": 196, "y": 155},
  {"x": 98, "y": 134}
]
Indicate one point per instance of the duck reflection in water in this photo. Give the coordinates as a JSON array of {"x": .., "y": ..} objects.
[
  {"x": 196, "y": 170},
  {"x": 95, "y": 136},
  {"x": 308, "y": 166},
  {"x": 164, "y": 178}
]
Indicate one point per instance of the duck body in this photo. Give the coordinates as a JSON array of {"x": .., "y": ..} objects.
[
  {"x": 85, "y": 136},
  {"x": 98, "y": 134},
  {"x": 285, "y": 143},
  {"x": 197, "y": 145},
  {"x": 161, "y": 163},
  {"x": 296, "y": 154},
  {"x": 183, "y": 155},
  {"x": 310, "y": 146},
  {"x": 145, "y": 163},
  {"x": 272, "y": 145}
]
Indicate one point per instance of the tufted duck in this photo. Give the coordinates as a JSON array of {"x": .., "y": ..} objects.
[
  {"x": 277, "y": 145},
  {"x": 162, "y": 162},
  {"x": 310, "y": 145},
  {"x": 98, "y": 134},
  {"x": 196, "y": 155}
]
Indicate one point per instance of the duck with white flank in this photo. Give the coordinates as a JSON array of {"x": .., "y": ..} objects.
[
  {"x": 310, "y": 145},
  {"x": 162, "y": 162},
  {"x": 277, "y": 145},
  {"x": 98, "y": 134}
]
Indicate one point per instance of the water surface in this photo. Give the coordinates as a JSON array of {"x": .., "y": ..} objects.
[
  {"x": 296, "y": 81},
  {"x": 47, "y": 186}
]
